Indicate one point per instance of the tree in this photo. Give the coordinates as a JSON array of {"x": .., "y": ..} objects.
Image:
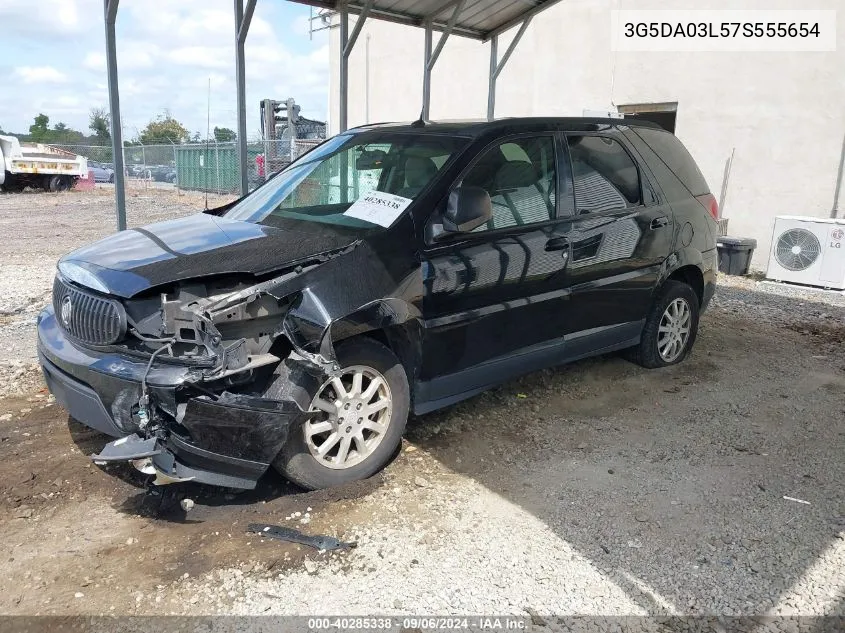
[
  {"x": 39, "y": 131},
  {"x": 61, "y": 133},
  {"x": 164, "y": 129},
  {"x": 99, "y": 122},
  {"x": 223, "y": 134}
]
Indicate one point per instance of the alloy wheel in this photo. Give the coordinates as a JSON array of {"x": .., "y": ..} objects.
[
  {"x": 359, "y": 406},
  {"x": 674, "y": 330}
]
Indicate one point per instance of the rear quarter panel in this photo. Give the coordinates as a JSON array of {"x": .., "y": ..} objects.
[{"x": 695, "y": 231}]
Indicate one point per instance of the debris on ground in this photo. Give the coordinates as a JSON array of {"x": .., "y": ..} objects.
[
  {"x": 796, "y": 500},
  {"x": 320, "y": 542}
]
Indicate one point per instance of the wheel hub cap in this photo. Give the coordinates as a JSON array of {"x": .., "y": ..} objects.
[
  {"x": 674, "y": 330},
  {"x": 357, "y": 405}
]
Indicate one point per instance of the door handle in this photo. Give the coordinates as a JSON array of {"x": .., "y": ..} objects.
[
  {"x": 657, "y": 223},
  {"x": 557, "y": 244}
]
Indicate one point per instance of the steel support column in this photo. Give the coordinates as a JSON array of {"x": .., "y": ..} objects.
[
  {"x": 343, "y": 117},
  {"x": 837, "y": 192},
  {"x": 497, "y": 66},
  {"x": 432, "y": 55},
  {"x": 347, "y": 43},
  {"x": 242, "y": 22},
  {"x": 110, "y": 10},
  {"x": 491, "y": 83},
  {"x": 426, "y": 87}
]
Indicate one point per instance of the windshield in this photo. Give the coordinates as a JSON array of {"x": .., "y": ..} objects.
[{"x": 359, "y": 181}]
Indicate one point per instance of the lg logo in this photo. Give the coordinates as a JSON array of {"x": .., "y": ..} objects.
[{"x": 836, "y": 236}]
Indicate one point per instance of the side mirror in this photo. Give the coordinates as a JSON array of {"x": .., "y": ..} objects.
[{"x": 467, "y": 209}]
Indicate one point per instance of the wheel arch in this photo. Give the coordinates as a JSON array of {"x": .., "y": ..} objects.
[
  {"x": 685, "y": 266},
  {"x": 693, "y": 277},
  {"x": 390, "y": 321}
]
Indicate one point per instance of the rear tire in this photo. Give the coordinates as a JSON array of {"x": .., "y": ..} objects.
[
  {"x": 58, "y": 183},
  {"x": 670, "y": 328},
  {"x": 298, "y": 460}
]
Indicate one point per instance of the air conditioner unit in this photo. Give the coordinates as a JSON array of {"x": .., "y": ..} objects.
[{"x": 808, "y": 251}]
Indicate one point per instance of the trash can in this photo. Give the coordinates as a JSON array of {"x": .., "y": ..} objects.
[{"x": 735, "y": 254}]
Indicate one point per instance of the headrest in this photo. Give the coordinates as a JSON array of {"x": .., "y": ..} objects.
[
  {"x": 516, "y": 174},
  {"x": 419, "y": 170}
]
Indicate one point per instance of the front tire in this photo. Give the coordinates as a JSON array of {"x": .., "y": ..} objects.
[
  {"x": 366, "y": 408},
  {"x": 670, "y": 328}
]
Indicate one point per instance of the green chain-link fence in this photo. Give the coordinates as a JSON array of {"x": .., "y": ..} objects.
[{"x": 212, "y": 167}]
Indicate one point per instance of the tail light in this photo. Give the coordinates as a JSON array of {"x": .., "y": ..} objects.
[{"x": 708, "y": 201}]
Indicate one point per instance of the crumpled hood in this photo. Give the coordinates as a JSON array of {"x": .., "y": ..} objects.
[{"x": 197, "y": 246}]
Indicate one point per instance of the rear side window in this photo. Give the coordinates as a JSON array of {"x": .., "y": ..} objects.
[
  {"x": 604, "y": 175},
  {"x": 672, "y": 152}
]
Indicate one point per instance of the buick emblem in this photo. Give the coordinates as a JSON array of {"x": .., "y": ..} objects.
[{"x": 67, "y": 310}]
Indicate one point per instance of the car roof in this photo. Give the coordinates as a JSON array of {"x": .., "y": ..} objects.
[{"x": 480, "y": 127}]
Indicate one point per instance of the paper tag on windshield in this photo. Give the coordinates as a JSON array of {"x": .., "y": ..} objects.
[{"x": 378, "y": 207}]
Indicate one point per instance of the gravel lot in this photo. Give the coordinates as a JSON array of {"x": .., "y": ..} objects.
[{"x": 714, "y": 487}]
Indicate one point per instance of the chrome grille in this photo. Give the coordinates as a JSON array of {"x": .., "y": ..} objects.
[{"x": 88, "y": 317}]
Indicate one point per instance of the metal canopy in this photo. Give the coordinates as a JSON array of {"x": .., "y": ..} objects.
[{"x": 478, "y": 19}]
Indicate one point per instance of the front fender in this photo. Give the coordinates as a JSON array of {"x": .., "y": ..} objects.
[
  {"x": 313, "y": 333},
  {"x": 336, "y": 302}
]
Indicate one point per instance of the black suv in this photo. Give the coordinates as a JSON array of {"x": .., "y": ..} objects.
[{"x": 392, "y": 269}]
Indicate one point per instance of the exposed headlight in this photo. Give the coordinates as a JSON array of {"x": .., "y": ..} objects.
[{"x": 77, "y": 274}]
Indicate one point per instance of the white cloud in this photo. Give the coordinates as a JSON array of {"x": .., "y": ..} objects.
[
  {"x": 216, "y": 57},
  {"x": 95, "y": 61},
  {"x": 40, "y": 75},
  {"x": 57, "y": 17}
]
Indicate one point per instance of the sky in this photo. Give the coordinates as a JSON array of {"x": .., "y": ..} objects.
[{"x": 52, "y": 60}]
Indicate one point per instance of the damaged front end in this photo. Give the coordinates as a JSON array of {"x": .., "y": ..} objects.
[
  {"x": 229, "y": 440},
  {"x": 183, "y": 385}
]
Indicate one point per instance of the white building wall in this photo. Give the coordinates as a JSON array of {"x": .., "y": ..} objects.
[{"x": 784, "y": 113}]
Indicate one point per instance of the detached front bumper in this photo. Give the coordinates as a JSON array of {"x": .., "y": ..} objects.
[{"x": 227, "y": 439}]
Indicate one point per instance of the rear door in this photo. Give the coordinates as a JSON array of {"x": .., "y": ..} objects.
[
  {"x": 620, "y": 234},
  {"x": 493, "y": 294}
]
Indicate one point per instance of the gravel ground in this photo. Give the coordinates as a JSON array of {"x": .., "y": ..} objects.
[{"x": 713, "y": 487}]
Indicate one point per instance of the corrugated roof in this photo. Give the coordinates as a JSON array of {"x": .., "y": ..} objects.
[{"x": 479, "y": 19}]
